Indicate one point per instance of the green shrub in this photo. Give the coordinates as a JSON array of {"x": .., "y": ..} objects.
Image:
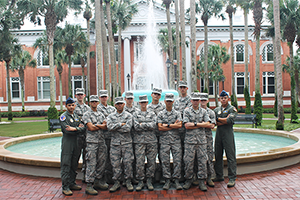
[
  {"x": 279, "y": 126},
  {"x": 248, "y": 100},
  {"x": 206, "y": 91},
  {"x": 10, "y": 116},
  {"x": 258, "y": 108},
  {"x": 294, "y": 106},
  {"x": 52, "y": 114},
  {"x": 234, "y": 101},
  {"x": 275, "y": 107}
]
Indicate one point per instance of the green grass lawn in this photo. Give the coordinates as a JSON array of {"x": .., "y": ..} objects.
[
  {"x": 23, "y": 129},
  {"x": 271, "y": 115},
  {"x": 24, "y": 118}
]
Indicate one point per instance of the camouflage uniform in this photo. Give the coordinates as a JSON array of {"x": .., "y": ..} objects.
[
  {"x": 170, "y": 141},
  {"x": 80, "y": 110},
  {"x": 106, "y": 110},
  {"x": 182, "y": 103},
  {"x": 69, "y": 148},
  {"x": 209, "y": 139},
  {"x": 195, "y": 143},
  {"x": 225, "y": 140},
  {"x": 121, "y": 144},
  {"x": 145, "y": 142},
  {"x": 96, "y": 148}
]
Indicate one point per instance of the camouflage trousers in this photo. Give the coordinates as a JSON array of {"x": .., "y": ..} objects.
[
  {"x": 190, "y": 152},
  {"x": 176, "y": 150},
  {"x": 210, "y": 154},
  {"x": 141, "y": 151},
  {"x": 118, "y": 154},
  {"x": 81, "y": 141},
  {"x": 95, "y": 161}
]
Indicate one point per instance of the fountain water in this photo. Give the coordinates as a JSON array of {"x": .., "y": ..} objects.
[{"x": 150, "y": 70}]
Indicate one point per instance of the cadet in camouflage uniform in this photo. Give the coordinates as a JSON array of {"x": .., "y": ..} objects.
[
  {"x": 71, "y": 126},
  {"x": 106, "y": 109},
  {"x": 225, "y": 116},
  {"x": 119, "y": 124},
  {"x": 195, "y": 120},
  {"x": 96, "y": 150},
  {"x": 129, "y": 107},
  {"x": 145, "y": 143},
  {"x": 156, "y": 106},
  {"x": 209, "y": 138},
  {"x": 80, "y": 109},
  {"x": 169, "y": 121}
]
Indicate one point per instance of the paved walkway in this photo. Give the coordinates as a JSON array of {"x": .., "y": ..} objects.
[{"x": 275, "y": 184}]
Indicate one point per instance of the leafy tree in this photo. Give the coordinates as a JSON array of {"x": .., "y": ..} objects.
[
  {"x": 19, "y": 63},
  {"x": 248, "y": 100}
]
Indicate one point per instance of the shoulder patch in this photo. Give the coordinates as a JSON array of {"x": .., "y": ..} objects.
[{"x": 62, "y": 118}]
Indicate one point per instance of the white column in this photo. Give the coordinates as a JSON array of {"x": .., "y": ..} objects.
[
  {"x": 188, "y": 64},
  {"x": 127, "y": 63}
]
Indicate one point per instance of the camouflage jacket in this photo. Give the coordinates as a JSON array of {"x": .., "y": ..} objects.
[
  {"x": 131, "y": 110},
  {"x": 67, "y": 119},
  {"x": 120, "y": 134},
  {"x": 212, "y": 117},
  {"x": 94, "y": 118},
  {"x": 166, "y": 117},
  {"x": 144, "y": 126},
  {"x": 106, "y": 110},
  {"x": 182, "y": 103},
  {"x": 195, "y": 136},
  {"x": 156, "y": 108},
  {"x": 81, "y": 109}
]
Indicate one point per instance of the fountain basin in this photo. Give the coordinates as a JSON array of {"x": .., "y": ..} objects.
[{"x": 247, "y": 162}]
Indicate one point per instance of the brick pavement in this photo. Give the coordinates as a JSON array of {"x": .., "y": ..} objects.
[{"x": 275, "y": 184}]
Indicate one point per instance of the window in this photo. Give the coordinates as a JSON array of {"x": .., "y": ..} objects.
[
  {"x": 240, "y": 82},
  {"x": 211, "y": 87},
  {"x": 42, "y": 58},
  {"x": 138, "y": 50},
  {"x": 267, "y": 55},
  {"x": 268, "y": 83},
  {"x": 77, "y": 83},
  {"x": 239, "y": 53},
  {"x": 43, "y": 87},
  {"x": 15, "y": 88}
]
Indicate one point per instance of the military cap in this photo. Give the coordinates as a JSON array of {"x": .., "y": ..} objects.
[
  {"x": 224, "y": 93},
  {"x": 129, "y": 94},
  {"x": 195, "y": 96},
  {"x": 94, "y": 98},
  {"x": 69, "y": 101},
  {"x": 103, "y": 93},
  {"x": 203, "y": 96},
  {"x": 79, "y": 91},
  {"x": 182, "y": 84},
  {"x": 157, "y": 90},
  {"x": 169, "y": 97},
  {"x": 143, "y": 98},
  {"x": 119, "y": 100}
]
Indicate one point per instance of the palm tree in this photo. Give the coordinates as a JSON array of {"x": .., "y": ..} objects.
[
  {"x": 72, "y": 39},
  {"x": 60, "y": 58},
  {"x": 87, "y": 16},
  {"x": 177, "y": 38},
  {"x": 193, "y": 45},
  {"x": 53, "y": 12},
  {"x": 171, "y": 75},
  {"x": 124, "y": 13},
  {"x": 208, "y": 8},
  {"x": 163, "y": 38},
  {"x": 19, "y": 63},
  {"x": 182, "y": 27}
]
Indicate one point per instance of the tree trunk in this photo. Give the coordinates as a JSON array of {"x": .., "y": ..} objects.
[
  {"x": 105, "y": 52},
  {"x": 231, "y": 54},
  {"x": 69, "y": 77},
  {"x": 21, "y": 75},
  {"x": 82, "y": 71},
  {"x": 119, "y": 60},
  {"x": 112, "y": 50},
  {"x": 257, "y": 64},
  {"x": 246, "y": 48},
  {"x": 206, "y": 79},
  {"x": 216, "y": 94},
  {"x": 193, "y": 46},
  {"x": 170, "y": 40},
  {"x": 52, "y": 77},
  {"x": 177, "y": 39},
  {"x": 88, "y": 60},
  {"x": 99, "y": 56},
  {"x": 8, "y": 87},
  {"x": 60, "y": 92},
  {"x": 182, "y": 25}
]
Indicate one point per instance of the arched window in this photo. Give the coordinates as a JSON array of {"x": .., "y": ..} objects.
[
  {"x": 267, "y": 54},
  {"x": 42, "y": 58}
]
